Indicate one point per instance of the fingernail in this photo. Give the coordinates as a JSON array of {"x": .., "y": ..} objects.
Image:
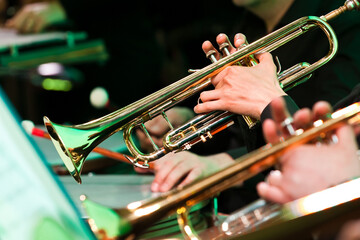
[{"x": 275, "y": 173}]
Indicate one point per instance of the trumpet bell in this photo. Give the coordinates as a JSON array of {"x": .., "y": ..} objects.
[
  {"x": 77, "y": 141},
  {"x": 67, "y": 145}
]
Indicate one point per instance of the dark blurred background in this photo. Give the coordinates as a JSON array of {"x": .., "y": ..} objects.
[
  {"x": 148, "y": 44},
  {"x": 134, "y": 48}
]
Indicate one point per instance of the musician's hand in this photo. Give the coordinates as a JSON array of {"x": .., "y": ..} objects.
[
  {"x": 35, "y": 17},
  {"x": 239, "y": 89},
  {"x": 308, "y": 168},
  {"x": 302, "y": 119},
  {"x": 157, "y": 127},
  {"x": 180, "y": 169}
]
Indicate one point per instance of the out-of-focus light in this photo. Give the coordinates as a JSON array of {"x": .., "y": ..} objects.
[
  {"x": 51, "y": 84},
  {"x": 134, "y": 205},
  {"x": 147, "y": 210},
  {"x": 225, "y": 226},
  {"x": 190, "y": 233},
  {"x": 328, "y": 198},
  {"x": 99, "y": 97},
  {"x": 50, "y": 69},
  {"x": 318, "y": 123},
  {"x": 345, "y": 110}
]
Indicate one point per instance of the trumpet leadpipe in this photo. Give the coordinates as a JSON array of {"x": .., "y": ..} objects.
[{"x": 74, "y": 143}]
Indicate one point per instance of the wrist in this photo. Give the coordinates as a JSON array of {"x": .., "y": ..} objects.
[
  {"x": 266, "y": 106},
  {"x": 223, "y": 159}
]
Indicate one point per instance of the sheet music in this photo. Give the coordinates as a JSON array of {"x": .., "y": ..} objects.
[
  {"x": 32, "y": 203},
  {"x": 113, "y": 191}
]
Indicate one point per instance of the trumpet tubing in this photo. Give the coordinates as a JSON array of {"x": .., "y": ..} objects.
[
  {"x": 139, "y": 215},
  {"x": 75, "y": 142}
]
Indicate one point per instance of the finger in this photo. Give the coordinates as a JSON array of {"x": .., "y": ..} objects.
[
  {"x": 239, "y": 40},
  {"x": 28, "y": 26},
  {"x": 15, "y": 20},
  {"x": 223, "y": 41},
  {"x": 193, "y": 175},
  {"x": 272, "y": 193},
  {"x": 157, "y": 127},
  {"x": 303, "y": 119},
  {"x": 220, "y": 76},
  {"x": 24, "y": 22},
  {"x": 270, "y": 131},
  {"x": 39, "y": 25},
  {"x": 321, "y": 110},
  {"x": 207, "y": 47},
  {"x": 181, "y": 169},
  {"x": 279, "y": 110},
  {"x": 210, "y": 95},
  {"x": 17, "y": 24},
  {"x": 143, "y": 140},
  {"x": 265, "y": 58},
  {"x": 275, "y": 178},
  {"x": 209, "y": 106},
  {"x": 161, "y": 173}
]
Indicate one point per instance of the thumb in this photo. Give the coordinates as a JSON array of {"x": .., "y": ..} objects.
[{"x": 266, "y": 59}]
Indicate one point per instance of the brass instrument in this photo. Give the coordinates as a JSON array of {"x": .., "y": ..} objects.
[
  {"x": 75, "y": 142},
  {"x": 137, "y": 216}
]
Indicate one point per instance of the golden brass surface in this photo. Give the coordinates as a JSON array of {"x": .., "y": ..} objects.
[
  {"x": 75, "y": 142},
  {"x": 142, "y": 214}
]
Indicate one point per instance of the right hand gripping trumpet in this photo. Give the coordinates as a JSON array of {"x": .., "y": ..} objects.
[{"x": 74, "y": 143}]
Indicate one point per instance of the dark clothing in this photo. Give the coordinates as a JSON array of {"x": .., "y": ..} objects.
[
  {"x": 336, "y": 79},
  {"x": 331, "y": 82},
  {"x": 353, "y": 97},
  {"x": 146, "y": 44},
  {"x": 290, "y": 104},
  {"x": 255, "y": 134}
]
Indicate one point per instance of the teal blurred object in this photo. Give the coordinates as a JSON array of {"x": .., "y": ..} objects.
[
  {"x": 33, "y": 202},
  {"x": 29, "y": 51}
]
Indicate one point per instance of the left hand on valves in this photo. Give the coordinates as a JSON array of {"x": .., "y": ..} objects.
[{"x": 239, "y": 89}]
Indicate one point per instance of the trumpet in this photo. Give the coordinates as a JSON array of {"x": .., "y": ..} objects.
[
  {"x": 137, "y": 216},
  {"x": 75, "y": 142}
]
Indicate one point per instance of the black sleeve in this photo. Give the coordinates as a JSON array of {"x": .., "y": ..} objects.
[
  {"x": 290, "y": 104},
  {"x": 253, "y": 138},
  {"x": 353, "y": 97},
  {"x": 237, "y": 152}
]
